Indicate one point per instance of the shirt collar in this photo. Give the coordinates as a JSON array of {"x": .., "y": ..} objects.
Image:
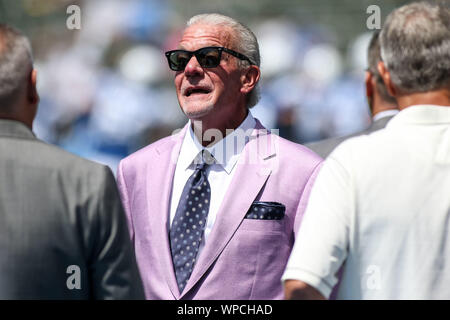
[
  {"x": 422, "y": 114},
  {"x": 13, "y": 128},
  {"x": 226, "y": 151},
  {"x": 384, "y": 114}
]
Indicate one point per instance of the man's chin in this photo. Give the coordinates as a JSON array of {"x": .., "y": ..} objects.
[{"x": 197, "y": 113}]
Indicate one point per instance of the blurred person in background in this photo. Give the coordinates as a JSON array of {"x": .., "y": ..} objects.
[
  {"x": 209, "y": 218},
  {"x": 380, "y": 206},
  {"x": 105, "y": 105},
  {"x": 63, "y": 231},
  {"x": 382, "y": 105}
]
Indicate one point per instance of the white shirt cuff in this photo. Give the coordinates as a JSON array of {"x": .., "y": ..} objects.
[{"x": 309, "y": 278}]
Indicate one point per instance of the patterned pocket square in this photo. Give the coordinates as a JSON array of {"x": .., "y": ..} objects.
[{"x": 266, "y": 211}]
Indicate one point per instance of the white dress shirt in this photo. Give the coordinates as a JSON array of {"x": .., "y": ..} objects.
[
  {"x": 226, "y": 152},
  {"x": 381, "y": 205}
]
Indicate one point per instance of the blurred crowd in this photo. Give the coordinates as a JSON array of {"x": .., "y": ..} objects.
[{"x": 107, "y": 91}]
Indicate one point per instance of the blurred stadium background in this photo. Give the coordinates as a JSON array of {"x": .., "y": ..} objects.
[{"x": 106, "y": 90}]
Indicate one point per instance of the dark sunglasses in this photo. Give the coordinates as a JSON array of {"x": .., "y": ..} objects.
[{"x": 208, "y": 57}]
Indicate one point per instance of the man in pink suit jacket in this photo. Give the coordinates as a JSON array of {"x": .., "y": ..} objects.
[{"x": 247, "y": 248}]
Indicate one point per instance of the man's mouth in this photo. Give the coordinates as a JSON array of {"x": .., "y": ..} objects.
[{"x": 196, "y": 90}]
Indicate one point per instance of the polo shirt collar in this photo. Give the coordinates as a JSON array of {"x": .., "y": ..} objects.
[
  {"x": 422, "y": 114},
  {"x": 384, "y": 114},
  {"x": 15, "y": 129}
]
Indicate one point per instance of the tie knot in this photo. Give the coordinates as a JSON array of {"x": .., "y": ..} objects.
[{"x": 203, "y": 160}]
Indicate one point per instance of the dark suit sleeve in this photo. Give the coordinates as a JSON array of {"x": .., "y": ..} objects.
[{"x": 113, "y": 270}]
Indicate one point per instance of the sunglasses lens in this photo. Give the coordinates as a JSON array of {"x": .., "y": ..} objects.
[
  {"x": 209, "y": 57},
  {"x": 206, "y": 57},
  {"x": 178, "y": 60}
]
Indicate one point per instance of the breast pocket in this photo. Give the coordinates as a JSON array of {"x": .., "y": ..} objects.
[
  {"x": 263, "y": 225},
  {"x": 265, "y": 216}
]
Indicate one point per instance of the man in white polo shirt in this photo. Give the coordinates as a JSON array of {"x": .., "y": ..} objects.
[{"x": 380, "y": 207}]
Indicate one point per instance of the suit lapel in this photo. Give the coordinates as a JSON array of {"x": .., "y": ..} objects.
[
  {"x": 158, "y": 196},
  {"x": 254, "y": 167}
]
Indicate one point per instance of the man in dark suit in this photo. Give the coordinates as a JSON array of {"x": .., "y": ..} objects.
[
  {"x": 63, "y": 231},
  {"x": 382, "y": 106}
]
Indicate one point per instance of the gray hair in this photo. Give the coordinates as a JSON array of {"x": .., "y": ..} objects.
[
  {"x": 244, "y": 40},
  {"x": 415, "y": 46},
  {"x": 373, "y": 57},
  {"x": 16, "y": 62}
]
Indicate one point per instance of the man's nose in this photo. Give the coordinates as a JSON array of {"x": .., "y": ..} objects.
[{"x": 193, "y": 67}]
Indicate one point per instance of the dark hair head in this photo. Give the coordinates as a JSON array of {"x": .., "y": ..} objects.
[{"x": 15, "y": 65}]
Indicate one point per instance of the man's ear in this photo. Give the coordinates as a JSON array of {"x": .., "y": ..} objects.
[
  {"x": 386, "y": 76},
  {"x": 250, "y": 78},
  {"x": 32, "y": 93},
  {"x": 369, "y": 84}
]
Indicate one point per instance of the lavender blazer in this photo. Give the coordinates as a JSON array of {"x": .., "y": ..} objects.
[{"x": 242, "y": 258}]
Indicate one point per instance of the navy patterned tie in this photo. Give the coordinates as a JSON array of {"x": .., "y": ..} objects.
[{"x": 189, "y": 222}]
